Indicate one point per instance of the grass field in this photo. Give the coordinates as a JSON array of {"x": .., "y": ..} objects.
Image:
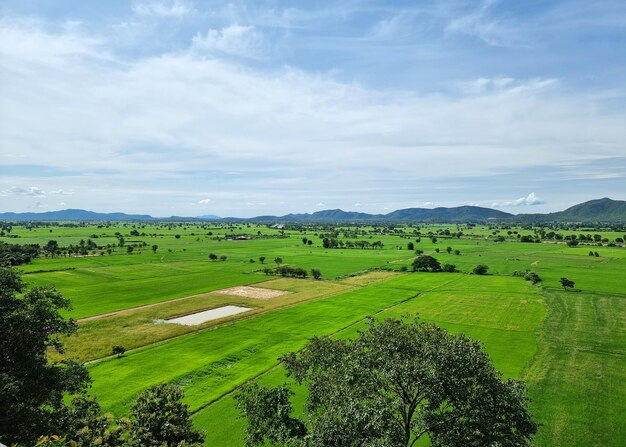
[{"x": 568, "y": 346}]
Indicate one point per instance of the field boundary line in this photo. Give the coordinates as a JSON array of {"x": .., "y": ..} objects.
[
  {"x": 354, "y": 323},
  {"x": 244, "y": 317}
]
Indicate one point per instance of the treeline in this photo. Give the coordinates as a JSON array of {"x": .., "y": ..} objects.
[
  {"x": 45, "y": 403},
  {"x": 17, "y": 254},
  {"x": 339, "y": 243},
  {"x": 293, "y": 272}
]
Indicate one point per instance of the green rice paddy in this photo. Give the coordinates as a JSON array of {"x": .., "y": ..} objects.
[{"x": 568, "y": 346}]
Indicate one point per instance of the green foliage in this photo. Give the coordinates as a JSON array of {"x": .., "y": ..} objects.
[
  {"x": 425, "y": 263},
  {"x": 86, "y": 426},
  {"x": 16, "y": 254},
  {"x": 31, "y": 387},
  {"x": 480, "y": 269},
  {"x": 449, "y": 268},
  {"x": 532, "y": 277},
  {"x": 567, "y": 283},
  {"x": 316, "y": 273},
  {"x": 118, "y": 350},
  {"x": 395, "y": 383},
  {"x": 158, "y": 418},
  {"x": 268, "y": 411}
]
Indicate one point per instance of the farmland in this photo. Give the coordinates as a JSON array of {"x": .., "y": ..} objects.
[{"x": 568, "y": 345}]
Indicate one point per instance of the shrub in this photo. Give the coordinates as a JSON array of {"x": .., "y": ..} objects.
[{"x": 480, "y": 269}]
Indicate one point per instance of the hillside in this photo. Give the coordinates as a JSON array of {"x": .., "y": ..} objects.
[{"x": 600, "y": 210}]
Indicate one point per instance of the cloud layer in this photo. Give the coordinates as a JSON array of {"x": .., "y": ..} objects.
[{"x": 210, "y": 116}]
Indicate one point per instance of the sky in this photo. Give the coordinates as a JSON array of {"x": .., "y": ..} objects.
[{"x": 190, "y": 108}]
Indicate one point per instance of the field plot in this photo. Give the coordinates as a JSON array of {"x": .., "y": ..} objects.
[
  {"x": 197, "y": 318},
  {"x": 577, "y": 379},
  {"x": 568, "y": 346},
  {"x": 252, "y": 292},
  {"x": 210, "y": 364},
  {"x": 505, "y": 316}
]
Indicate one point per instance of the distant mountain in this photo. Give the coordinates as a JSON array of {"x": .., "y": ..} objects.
[
  {"x": 209, "y": 217},
  {"x": 599, "y": 210},
  {"x": 73, "y": 215},
  {"x": 457, "y": 214}
]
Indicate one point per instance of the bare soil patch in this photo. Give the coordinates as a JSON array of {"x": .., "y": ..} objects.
[
  {"x": 208, "y": 315},
  {"x": 252, "y": 292}
]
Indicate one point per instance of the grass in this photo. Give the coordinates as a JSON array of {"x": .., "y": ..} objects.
[
  {"x": 568, "y": 346},
  {"x": 457, "y": 303},
  {"x": 136, "y": 327},
  {"x": 210, "y": 364},
  {"x": 577, "y": 379}
]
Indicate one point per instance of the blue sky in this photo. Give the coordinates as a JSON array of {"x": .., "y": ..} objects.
[{"x": 181, "y": 107}]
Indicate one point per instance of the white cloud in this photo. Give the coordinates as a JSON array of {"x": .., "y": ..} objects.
[
  {"x": 235, "y": 39},
  {"x": 492, "y": 29},
  {"x": 357, "y": 205},
  {"x": 61, "y": 192},
  {"x": 429, "y": 204},
  {"x": 204, "y": 201},
  {"x": 293, "y": 136},
  {"x": 529, "y": 200},
  {"x": 320, "y": 204},
  {"x": 19, "y": 191},
  {"x": 174, "y": 8}
]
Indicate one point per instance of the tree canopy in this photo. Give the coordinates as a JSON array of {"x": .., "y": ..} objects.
[
  {"x": 425, "y": 263},
  {"x": 32, "y": 389},
  {"x": 395, "y": 383}
]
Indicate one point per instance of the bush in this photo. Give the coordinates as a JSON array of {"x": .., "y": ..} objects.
[
  {"x": 118, "y": 350},
  {"x": 532, "y": 277},
  {"x": 450, "y": 268},
  {"x": 316, "y": 274},
  {"x": 480, "y": 269}
]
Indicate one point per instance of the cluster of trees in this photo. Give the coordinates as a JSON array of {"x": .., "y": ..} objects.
[
  {"x": 339, "y": 243},
  {"x": 17, "y": 254},
  {"x": 396, "y": 383},
  {"x": 214, "y": 257},
  {"x": 44, "y": 398},
  {"x": 528, "y": 275},
  {"x": 294, "y": 272}
]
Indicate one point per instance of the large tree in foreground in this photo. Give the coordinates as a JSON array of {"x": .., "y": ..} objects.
[
  {"x": 397, "y": 382},
  {"x": 32, "y": 389}
]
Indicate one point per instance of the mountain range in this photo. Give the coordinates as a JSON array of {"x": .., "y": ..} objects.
[{"x": 600, "y": 210}]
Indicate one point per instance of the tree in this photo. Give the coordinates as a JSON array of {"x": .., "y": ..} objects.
[
  {"x": 410, "y": 246},
  {"x": 532, "y": 277},
  {"x": 425, "y": 263},
  {"x": 480, "y": 269},
  {"x": 155, "y": 248},
  {"x": 158, "y": 418},
  {"x": 118, "y": 350},
  {"x": 223, "y": 258},
  {"x": 32, "y": 388},
  {"x": 262, "y": 259},
  {"x": 305, "y": 240},
  {"x": 450, "y": 268},
  {"x": 316, "y": 274},
  {"x": 85, "y": 424},
  {"x": 449, "y": 249},
  {"x": 567, "y": 283},
  {"x": 278, "y": 260},
  {"x": 130, "y": 249},
  {"x": 212, "y": 256},
  {"x": 397, "y": 382}
]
